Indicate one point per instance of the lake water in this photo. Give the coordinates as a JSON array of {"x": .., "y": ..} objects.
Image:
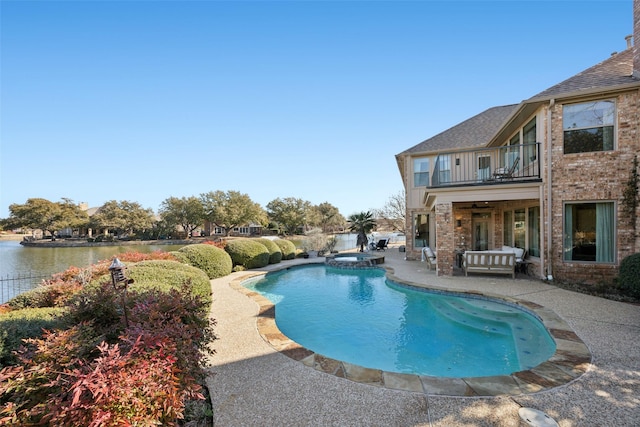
[{"x": 17, "y": 260}]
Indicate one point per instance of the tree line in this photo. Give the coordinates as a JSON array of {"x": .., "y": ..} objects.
[{"x": 224, "y": 210}]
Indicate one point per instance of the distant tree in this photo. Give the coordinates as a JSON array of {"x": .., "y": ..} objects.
[
  {"x": 326, "y": 216},
  {"x": 160, "y": 229},
  {"x": 186, "y": 212},
  {"x": 362, "y": 223},
  {"x": 123, "y": 218},
  {"x": 72, "y": 215},
  {"x": 394, "y": 211},
  {"x": 231, "y": 209},
  {"x": 289, "y": 213},
  {"x": 42, "y": 214}
]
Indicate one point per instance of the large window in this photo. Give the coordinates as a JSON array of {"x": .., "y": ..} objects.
[
  {"x": 421, "y": 172},
  {"x": 589, "y": 232},
  {"x": 522, "y": 229},
  {"x": 588, "y": 126}
]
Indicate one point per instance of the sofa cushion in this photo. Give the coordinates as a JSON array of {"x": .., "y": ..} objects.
[{"x": 519, "y": 253}]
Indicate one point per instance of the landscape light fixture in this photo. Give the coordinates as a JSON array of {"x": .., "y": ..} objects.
[{"x": 120, "y": 283}]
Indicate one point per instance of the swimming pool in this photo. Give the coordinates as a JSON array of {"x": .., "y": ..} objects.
[{"x": 360, "y": 317}]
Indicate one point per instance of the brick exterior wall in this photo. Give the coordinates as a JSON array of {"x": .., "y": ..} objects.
[
  {"x": 636, "y": 37},
  {"x": 591, "y": 177},
  {"x": 445, "y": 241}
]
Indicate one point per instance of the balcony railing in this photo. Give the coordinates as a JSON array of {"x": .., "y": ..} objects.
[{"x": 487, "y": 166}]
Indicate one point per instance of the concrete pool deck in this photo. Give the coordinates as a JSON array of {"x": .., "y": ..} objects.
[{"x": 251, "y": 383}]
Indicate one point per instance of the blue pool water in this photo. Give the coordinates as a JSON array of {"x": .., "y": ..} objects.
[{"x": 358, "y": 316}]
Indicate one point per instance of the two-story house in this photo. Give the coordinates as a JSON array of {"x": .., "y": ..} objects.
[{"x": 548, "y": 175}]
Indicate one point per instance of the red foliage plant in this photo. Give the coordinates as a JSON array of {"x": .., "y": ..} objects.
[
  {"x": 143, "y": 378},
  {"x": 217, "y": 243},
  {"x": 139, "y": 256},
  {"x": 136, "y": 382}
]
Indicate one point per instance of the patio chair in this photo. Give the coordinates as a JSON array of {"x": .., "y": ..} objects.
[
  {"x": 429, "y": 256},
  {"x": 382, "y": 244},
  {"x": 503, "y": 173}
]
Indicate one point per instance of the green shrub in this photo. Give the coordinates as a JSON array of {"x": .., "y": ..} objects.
[
  {"x": 180, "y": 256},
  {"x": 44, "y": 296},
  {"x": 167, "y": 275},
  {"x": 287, "y": 247},
  {"x": 21, "y": 324},
  {"x": 210, "y": 259},
  {"x": 248, "y": 253},
  {"x": 629, "y": 278},
  {"x": 275, "y": 253}
]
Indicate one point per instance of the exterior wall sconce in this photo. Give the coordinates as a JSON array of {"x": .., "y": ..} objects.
[
  {"x": 120, "y": 282},
  {"x": 458, "y": 223}
]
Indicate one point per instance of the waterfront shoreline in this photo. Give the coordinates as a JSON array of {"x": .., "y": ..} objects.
[{"x": 60, "y": 243}]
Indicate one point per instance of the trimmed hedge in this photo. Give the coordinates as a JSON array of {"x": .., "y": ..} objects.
[
  {"x": 180, "y": 256},
  {"x": 167, "y": 275},
  {"x": 629, "y": 277},
  {"x": 248, "y": 253},
  {"x": 44, "y": 296},
  {"x": 275, "y": 253},
  {"x": 287, "y": 247},
  {"x": 212, "y": 260},
  {"x": 21, "y": 324}
]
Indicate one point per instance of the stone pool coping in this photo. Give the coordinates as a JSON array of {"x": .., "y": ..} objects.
[{"x": 571, "y": 359}]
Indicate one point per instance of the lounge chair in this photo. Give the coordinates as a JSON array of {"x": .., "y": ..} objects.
[
  {"x": 503, "y": 173},
  {"x": 382, "y": 244},
  {"x": 429, "y": 257}
]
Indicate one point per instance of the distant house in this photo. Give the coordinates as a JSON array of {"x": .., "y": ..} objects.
[
  {"x": 246, "y": 230},
  {"x": 547, "y": 175}
]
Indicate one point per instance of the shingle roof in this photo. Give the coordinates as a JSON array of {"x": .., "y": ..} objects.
[
  {"x": 473, "y": 132},
  {"x": 478, "y": 130},
  {"x": 614, "y": 71}
]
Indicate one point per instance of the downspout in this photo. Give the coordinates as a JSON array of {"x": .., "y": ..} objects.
[{"x": 549, "y": 277}]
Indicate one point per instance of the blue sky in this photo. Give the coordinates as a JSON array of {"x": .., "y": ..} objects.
[{"x": 146, "y": 100}]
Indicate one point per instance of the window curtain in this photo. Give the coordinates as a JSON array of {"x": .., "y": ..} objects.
[
  {"x": 604, "y": 232},
  {"x": 568, "y": 232}
]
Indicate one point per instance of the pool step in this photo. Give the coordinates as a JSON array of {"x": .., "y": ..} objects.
[{"x": 470, "y": 316}]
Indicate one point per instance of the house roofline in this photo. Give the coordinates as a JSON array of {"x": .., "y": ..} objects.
[{"x": 586, "y": 92}]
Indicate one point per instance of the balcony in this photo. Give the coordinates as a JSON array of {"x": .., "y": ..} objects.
[{"x": 487, "y": 166}]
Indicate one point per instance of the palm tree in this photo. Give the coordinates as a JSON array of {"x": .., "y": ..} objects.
[{"x": 362, "y": 223}]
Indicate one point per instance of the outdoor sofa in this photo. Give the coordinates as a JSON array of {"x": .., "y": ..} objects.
[{"x": 492, "y": 262}]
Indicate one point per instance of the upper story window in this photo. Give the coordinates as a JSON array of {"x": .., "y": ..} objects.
[
  {"x": 530, "y": 151},
  {"x": 421, "y": 172},
  {"x": 588, "y": 126},
  {"x": 444, "y": 168}
]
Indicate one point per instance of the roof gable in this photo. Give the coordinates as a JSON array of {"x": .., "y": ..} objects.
[{"x": 474, "y": 132}]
